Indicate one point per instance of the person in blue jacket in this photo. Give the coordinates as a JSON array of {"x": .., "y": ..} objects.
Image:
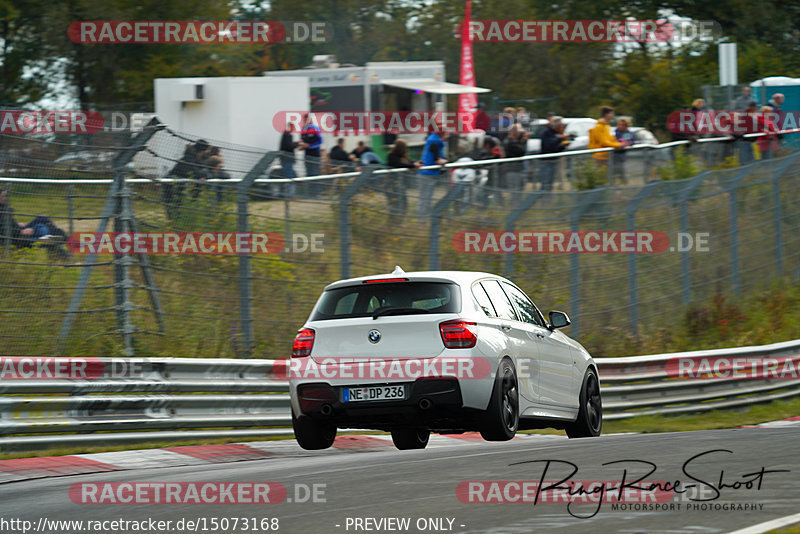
[
  {"x": 311, "y": 142},
  {"x": 432, "y": 154}
]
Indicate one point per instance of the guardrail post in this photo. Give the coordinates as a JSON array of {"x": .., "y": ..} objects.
[
  {"x": 511, "y": 222},
  {"x": 633, "y": 283},
  {"x": 683, "y": 201},
  {"x": 436, "y": 217},
  {"x": 344, "y": 216},
  {"x": 589, "y": 198},
  {"x": 242, "y": 226}
]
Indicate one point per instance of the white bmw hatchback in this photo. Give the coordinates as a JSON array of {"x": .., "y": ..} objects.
[{"x": 438, "y": 351}]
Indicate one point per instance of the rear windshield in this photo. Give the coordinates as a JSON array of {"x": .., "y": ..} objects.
[{"x": 402, "y": 297}]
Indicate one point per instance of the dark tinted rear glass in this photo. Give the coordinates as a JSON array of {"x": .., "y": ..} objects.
[{"x": 363, "y": 300}]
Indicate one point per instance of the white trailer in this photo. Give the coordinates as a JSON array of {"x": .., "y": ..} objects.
[{"x": 228, "y": 110}]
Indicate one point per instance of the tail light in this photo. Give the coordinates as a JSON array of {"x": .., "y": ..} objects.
[
  {"x": 303, "y": 343},
  {"x": 459, "y": 334}
]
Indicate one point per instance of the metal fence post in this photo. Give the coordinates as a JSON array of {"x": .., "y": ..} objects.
[
  {"x": 512, "y": 219},
  {"x": 70, "y": 208},
  {"x": 633, "y": 282},
  {"x": 589, "y": 198},
  {"x": 122, "y": 281},
  {"x": 344, "y": 217},
  {"x": 683, "y": 201},
  {"x": 777, "y": 218},
  {"x": 733, "y": 216},
  {"x": 7, "y": 221},
  {"x": 610, "y": 167},
  {"x": 436, "y": 217},
  {"x": 119, "y": 163},
  {"x": 242, "y": 226},
  {"x": 777, "y": 208}
]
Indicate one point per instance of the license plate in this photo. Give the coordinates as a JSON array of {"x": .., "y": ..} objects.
[{"x": 373, "y": 393}]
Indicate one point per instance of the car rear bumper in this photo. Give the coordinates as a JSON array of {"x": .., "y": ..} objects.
[{"x": 435, "y": 403}]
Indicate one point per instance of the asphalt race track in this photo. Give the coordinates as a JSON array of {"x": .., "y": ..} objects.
[{"x": 360, "y": 489}]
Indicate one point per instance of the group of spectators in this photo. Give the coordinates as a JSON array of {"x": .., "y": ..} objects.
[
  {"x": 316, "y": 160},
  {"x": 200, "y": 161},
  {"x": 506, "y": 136},
  {"x": 768, "y": 145}
]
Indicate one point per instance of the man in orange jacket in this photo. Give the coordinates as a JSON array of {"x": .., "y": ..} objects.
[{"x": 600, "y": 136}]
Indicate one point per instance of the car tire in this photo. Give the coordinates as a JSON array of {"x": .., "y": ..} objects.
[
  {"x": 590, "y": 415},
  {"x": 313, "y": 435},
  {"x": 410, "y": 438},
  {"x": 501, "y": 419}
]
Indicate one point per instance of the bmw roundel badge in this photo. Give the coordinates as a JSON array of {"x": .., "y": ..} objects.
[{"x": 374, "y": 336}]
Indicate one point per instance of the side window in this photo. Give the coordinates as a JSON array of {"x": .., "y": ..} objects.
[
  {"x": 499, "y": 299},
  {"x": 483, "y": 300},
  {"x": 527, "y": 310}
]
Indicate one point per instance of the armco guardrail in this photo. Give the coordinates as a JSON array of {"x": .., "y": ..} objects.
[{"x": 168, "y": 399}]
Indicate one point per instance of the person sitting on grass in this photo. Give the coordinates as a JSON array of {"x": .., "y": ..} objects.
[{"x": 41, "y": 229}]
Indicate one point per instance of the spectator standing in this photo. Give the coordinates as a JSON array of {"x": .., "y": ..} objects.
[
  {"x": 600, "y": 136},
  {"x": 743, "y": 101},
  {"x": 522, "y": 117},
  {"x": 287, "y": 147},
  {"x": 311, "y": 143},
  {"x": 745, "y": 146},
  {"x": 204, "y": 169},
  {"x": 624, "y": 135},
  {"x": 492, "y": 149},
  {"x": 515, "y": 146},
  {"x": 776, "y": 102},
  {"x": 395, "y": 182},
  {"x": 503, "y": 124},
  {"x": 189, "y": 167},
  {"x": 217, "y": 172},
  {"x": 710, "y": 151},
  {"x": 338, "y": 153},
  {"x": 768, "y": 144},
  {"x": 482, "y": 119},
  {"x": 554, "y": 140},
  {"x": 340, "y": 159},
  {"x": 432, "y": 154}
]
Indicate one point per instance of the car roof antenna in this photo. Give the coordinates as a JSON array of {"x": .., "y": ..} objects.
[{"x": 398, "y": 270}]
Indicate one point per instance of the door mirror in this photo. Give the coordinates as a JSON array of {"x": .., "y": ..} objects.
[{"x": 558, "y": 319}]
